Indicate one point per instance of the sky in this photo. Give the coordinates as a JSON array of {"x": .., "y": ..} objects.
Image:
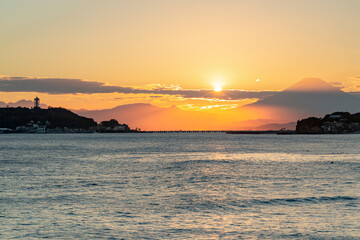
[{"x": 98, "y": 54}]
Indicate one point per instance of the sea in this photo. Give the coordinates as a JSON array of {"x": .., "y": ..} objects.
[{"x": 179, "y": 186}]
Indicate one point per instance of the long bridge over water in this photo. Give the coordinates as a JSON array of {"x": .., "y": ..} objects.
[
  {"x": 224, "y": 131},
  {"x": 187, "y": 131}
]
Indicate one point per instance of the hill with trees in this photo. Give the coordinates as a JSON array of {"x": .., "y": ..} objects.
[
  {"x": 51, "y": 117},
  {"x": 337, "y": 122}
]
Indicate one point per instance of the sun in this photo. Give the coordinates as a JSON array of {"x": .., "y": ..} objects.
[
  {"x": 218, "y": 82},
  {"x": 217, "y": 88}
]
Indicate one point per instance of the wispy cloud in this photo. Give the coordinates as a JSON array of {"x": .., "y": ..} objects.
[
  {"x": 337, "y": 84},
  {"x": 351, "y": 84},
  {"x": 58, "y": 86},
  {"x": 79, "y": 86}
]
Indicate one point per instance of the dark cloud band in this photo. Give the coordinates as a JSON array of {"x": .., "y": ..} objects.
[{"x": 75, "y": 86}]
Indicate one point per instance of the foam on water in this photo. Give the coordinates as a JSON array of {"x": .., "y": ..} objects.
[{"x": 178, "y": 186}]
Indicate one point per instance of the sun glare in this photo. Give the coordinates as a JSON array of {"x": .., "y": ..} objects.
[
  {"x": 218, "y": 82},
  {"x": 217, "y": 88}
]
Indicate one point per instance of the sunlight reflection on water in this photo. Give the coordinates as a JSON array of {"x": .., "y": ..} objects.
[{"x": 176, "y": 186}]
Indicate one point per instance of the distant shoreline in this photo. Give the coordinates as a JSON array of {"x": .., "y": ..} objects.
[{"x": 242, "y": 132}]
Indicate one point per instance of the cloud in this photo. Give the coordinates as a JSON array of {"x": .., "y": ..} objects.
[
  {"x": 351, "y": 84},
  {"x": 76, "y": 86},
  {"x": 337, "y": 84},
  {"x": 58, "y": 86},
  {"x": 233, "y": 94}
]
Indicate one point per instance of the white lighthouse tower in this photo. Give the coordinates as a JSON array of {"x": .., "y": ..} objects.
[{"x": 36, "y": 102}]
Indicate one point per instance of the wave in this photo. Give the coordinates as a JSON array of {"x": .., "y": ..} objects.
[
  {"x": 180, "y": 164},
  {"x": 233, "y": 205},
  {"x": 286, "y": 201}
]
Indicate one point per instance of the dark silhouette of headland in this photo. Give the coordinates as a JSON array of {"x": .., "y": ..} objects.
[
  {"x": 337, "y": 122},
  {"x": 52, "y": 120}
]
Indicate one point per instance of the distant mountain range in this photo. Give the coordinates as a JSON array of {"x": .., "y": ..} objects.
[
  {"x": 150, "y": 117},
  {"x": 21, "y": 103},
  {"x": 308, "y": 97}
]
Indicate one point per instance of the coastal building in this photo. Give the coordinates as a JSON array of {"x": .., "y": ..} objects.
[
  {"x": 32, "y": 127},
  {"x": 121, "y": 127},
  {"x": 5, "y": 130},
  {"x": 335, "y": 116}
]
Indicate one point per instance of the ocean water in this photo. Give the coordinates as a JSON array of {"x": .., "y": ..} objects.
[{"x": 179, "y": 186}]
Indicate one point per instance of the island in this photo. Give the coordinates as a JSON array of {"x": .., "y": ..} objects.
[{"x": 54, "y": 120}]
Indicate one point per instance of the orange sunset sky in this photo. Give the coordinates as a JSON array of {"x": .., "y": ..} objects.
[{"x": 101, "y": 54}]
